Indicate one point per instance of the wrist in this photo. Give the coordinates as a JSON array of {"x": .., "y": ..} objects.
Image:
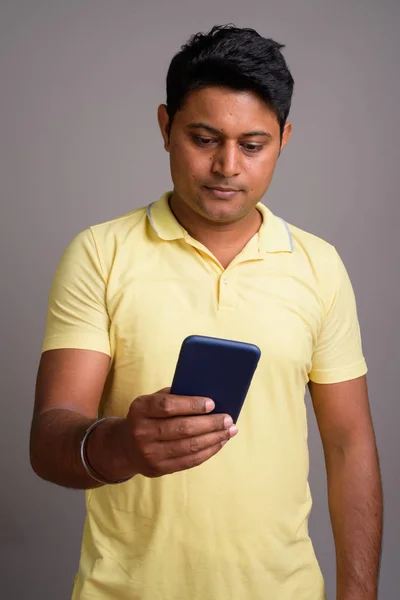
[{"x": 106, "y": 451}]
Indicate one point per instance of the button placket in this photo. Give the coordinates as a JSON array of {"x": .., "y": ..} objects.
[{"x": 225, "y": 291}]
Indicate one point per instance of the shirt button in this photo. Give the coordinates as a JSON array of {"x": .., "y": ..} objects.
[{"x": 225, "y": 280}]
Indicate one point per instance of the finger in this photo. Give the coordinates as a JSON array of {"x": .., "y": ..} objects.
[
  {"x": 177, "y": 428},
  {"x": 191, "y": 446},
  {"x": 163, "y": 405},
  {"x": 189, "y": 462}
]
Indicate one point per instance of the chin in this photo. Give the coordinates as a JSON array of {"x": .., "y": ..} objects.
[
  {"x": 220, "y": 211},
  {"x": 223, "y": 216}
]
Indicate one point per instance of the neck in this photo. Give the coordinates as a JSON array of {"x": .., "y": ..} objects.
[{"x": 224, "y": 240}]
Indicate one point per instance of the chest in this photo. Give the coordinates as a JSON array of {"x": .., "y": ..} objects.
[{"x": 154, "y": 305}]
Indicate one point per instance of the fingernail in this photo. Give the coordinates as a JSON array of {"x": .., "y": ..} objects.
[
  {"x": 209, "y": 404},
  {"x": 233, "y": 430},
  {"x": 224, "y": 442},
  {"x": 227, "y": 422}
]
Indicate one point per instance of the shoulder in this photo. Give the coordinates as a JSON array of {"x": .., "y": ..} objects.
[
  {"x": 318, "y": 253},
  {"x": 119, "y": 227},
  {"x": 97, "y": 245},
  {"x": 318, "y": 260},
  {"x": 304, "y": 241}
]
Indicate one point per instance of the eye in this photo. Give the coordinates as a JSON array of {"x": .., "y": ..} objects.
[
  {"x": 253, "y": 148},
  {"x": 203, "y": 141}
]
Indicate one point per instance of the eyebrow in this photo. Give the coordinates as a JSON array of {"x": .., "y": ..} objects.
[{"x": 256, "y": 133}]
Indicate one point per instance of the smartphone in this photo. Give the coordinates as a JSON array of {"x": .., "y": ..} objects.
[{"x": 218, "y": 369}]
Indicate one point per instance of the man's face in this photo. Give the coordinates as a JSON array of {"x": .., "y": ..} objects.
[{"x": 223, "y": 147}]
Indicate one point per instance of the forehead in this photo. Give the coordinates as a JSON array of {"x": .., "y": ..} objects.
[{"x": 227, "y": 110}]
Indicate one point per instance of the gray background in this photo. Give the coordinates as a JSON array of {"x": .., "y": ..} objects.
[{"x": 80, "y": 81}]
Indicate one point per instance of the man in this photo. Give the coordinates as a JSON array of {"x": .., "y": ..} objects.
[{"x": 180, "y": 504}]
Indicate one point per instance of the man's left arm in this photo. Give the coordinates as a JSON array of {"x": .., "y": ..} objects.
[{"x": 354, "y": 484}]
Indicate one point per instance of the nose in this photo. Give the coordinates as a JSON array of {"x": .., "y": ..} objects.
[{"x": 226, "y": 160}]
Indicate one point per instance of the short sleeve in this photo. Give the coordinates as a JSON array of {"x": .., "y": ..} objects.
[
  {"x": 77, "y": 314},
  {"x": 338, "y": 354}
]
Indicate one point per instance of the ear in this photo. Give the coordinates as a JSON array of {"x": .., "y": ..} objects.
[
  {"x": 287, "y": 132},
  {"x": 163, "y": 121}
]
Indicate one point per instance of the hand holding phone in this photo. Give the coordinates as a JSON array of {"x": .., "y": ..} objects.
[{"x": 165, "y": 433}]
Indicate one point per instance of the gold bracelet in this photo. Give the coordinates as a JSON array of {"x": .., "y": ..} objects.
[{"x": 84, "y": 459}]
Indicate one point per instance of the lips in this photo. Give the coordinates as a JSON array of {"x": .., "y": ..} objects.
[{"x": 223, "y": 193}]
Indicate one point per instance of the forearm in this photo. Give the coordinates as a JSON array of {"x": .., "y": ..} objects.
[
  {"x": 55, "y": 449},
  {"x": 355, "y": 503}
]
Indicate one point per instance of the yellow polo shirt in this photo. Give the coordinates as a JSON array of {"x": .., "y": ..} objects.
[{"x": 234, "y": 528}]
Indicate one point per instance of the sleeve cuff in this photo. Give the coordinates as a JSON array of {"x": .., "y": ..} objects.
[
  {"x": 339, "y": 375},
  {"x": 78, "y": 342}
]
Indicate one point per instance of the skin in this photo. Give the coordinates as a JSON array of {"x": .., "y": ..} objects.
[
  {"x": 354, "y": 484},
  {"x": 161, "y": 433},
  {"x": 210, "y": 146}
]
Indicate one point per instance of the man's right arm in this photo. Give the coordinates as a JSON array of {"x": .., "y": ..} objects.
[
  {"x": 161, "y": 433},
  {"x": 68, "y": 391}
]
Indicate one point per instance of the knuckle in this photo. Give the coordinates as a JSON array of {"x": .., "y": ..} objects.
[
  {"x": 139, "y": 432},
  {"x": 194, "y": 445},
  {"x": 148, "y": 456},
  {"x": 170, "y": 451},
  {"x": 151, "y": 461},
  {"x": 165, "y": 404},
  {"x": 158, "y": 431},
  {"x": 183, "y": 428},
  {"x": 196, "y": 460},
  {"x": 137, "y": 406},
  {"x": 194, "y": 405}
]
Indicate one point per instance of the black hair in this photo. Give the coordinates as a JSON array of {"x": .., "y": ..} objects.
[{"x": 239, "y": 59}]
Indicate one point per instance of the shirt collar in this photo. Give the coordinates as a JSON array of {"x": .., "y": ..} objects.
[
  {"x": 274, "y": 234},
  {"x": 163, "y": 221}
]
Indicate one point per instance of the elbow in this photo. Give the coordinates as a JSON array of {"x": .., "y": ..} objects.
[
  {"x": 39, "y": 467},
  {"x": 35, "y": 461},
  {"x": 36, "y": 456}
]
